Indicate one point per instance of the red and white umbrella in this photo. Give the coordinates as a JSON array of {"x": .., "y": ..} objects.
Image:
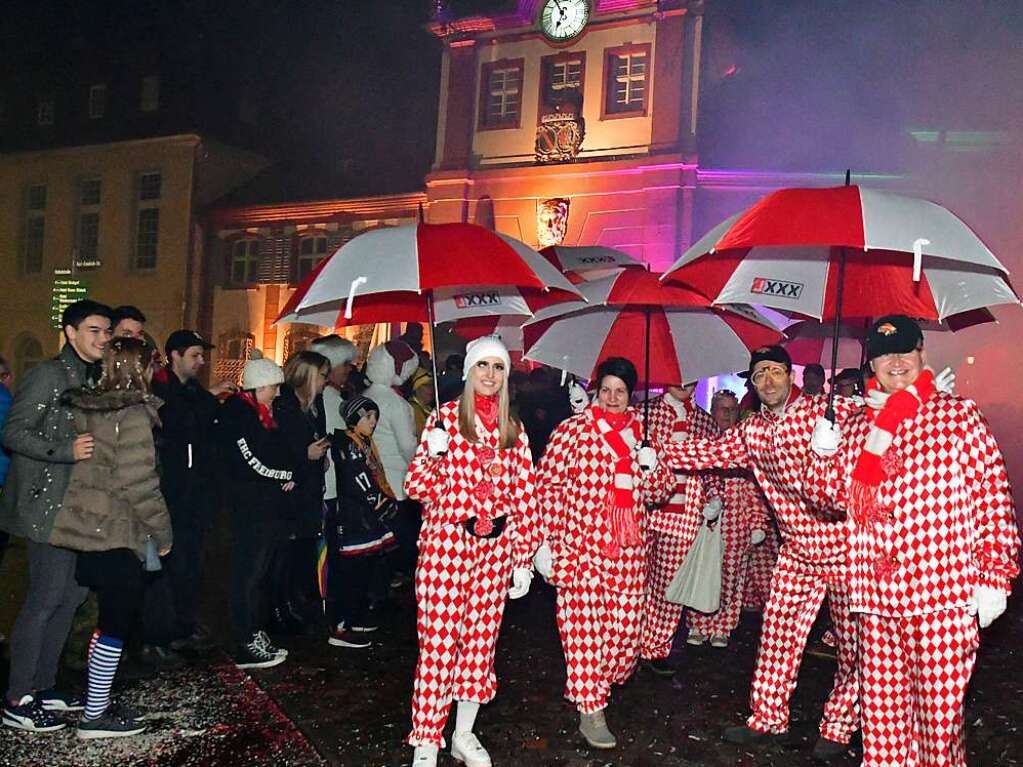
[
  {"x": 403, "y": 273},
  {"x": 588, "y": 262},
  {"x": 689, "y": 338},
  {"x": 901, "y": 255}
]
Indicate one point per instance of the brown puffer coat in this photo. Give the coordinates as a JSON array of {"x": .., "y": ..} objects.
[{"x": 113, "y": 499}]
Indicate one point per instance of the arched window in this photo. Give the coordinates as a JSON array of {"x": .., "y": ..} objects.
[
  {"x": 311, "y": 251},
  {"x": 244, "y": 261},
  {"x": 28, "y": 353}
]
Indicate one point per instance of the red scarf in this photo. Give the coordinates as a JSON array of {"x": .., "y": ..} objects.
[
  {"x": 898, "y": 408},
  {"x": 486, "y": 409},
  {"x": 621, "y": 504},
  {"x": 265, "y": 416}
]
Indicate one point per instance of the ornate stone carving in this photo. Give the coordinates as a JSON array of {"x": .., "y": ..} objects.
[
  {"x": 559, "y": 137},
  {"x": 552, "y": 221}
]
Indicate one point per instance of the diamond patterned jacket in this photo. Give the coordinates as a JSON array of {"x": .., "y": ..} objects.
[
  {"x": 944, "y": 520},
  {"x": 775, "y": 448},
  {"x": 682, "y": 514},
  {"x": 575, "y": 479},
  {"x": 476, "y": 480}
]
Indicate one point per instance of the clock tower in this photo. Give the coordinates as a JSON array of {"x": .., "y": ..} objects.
[{"x": 573, "y": 122}]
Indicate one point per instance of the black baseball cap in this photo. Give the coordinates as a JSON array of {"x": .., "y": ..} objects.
[
  {"x": 180, "y": 340},
  {"x": 773, "y": 353},
  {"x": 893, "y": 334},
  {"x": 847, "y": 374}
]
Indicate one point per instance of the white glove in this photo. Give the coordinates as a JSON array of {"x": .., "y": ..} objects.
[
  {"x": 757, "y": 537},
  {"x": 521, "y": 578},
  {"x": 543, "y": 561},
  {"x": 945, "y": 381},
  {"x": 858, "y": 400},
  {"x": 712, "y": 509},
  {"x": 577, "y": 398},
  {"x": 826, "y": 437},
  {"x": 987, "y": 604},
  {"x": 437, "y": 442},
  {"x": 647, "y": 458}
]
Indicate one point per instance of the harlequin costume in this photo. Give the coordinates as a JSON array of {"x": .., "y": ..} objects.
[
  {"x": 932, "y": 525},
  {"x": 743, "y": 511},
  {"x": 593, "y": 496},
  {"x": 672, "y": 527},
  {"x": 479, "y": 521},
  {"x": 811, "y": 563}
]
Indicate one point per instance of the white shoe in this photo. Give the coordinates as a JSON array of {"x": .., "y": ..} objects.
[
  {"x": 695, "y": 638},
  {"x": 719, "y": 640},
  {"x": 467, "y": 749},
  {"x": 424, "y": 756}
]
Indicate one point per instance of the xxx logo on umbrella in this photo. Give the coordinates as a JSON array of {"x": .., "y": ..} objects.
[
  {"x": 467, "y": 300},
  {"x": 764, "y": 286}
]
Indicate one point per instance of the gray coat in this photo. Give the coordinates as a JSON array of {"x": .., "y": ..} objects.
[{"x": 40, "y": 433}]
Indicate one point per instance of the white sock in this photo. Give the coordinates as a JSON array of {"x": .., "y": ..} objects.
[
  {"x": 465, "y": 716},
  {"x": 424, "y": 751}
]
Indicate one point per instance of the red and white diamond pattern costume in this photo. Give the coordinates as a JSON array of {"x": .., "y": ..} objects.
[
  {"x": 599, "y": 596},
  {"x": 811, "y": 561},
  {"x": 462, "y": 580},
  {"x": 759, "y": 562},
  {"x": 742, "y": 512},
  {"x": 943, "y": 524},
  {"x": 673, "y": 526}
]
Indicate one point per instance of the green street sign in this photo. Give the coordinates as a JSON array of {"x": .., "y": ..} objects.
[{"x": 66, "y": 290}]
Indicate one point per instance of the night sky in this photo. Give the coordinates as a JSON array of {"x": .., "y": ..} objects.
[{"x": 344, "y": 93}]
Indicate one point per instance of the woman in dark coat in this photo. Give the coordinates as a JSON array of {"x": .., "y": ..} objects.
[
  {"x": 115, "y": 516},
  {"x": 294, "y": 570},
  {"x": 258, "y": 476},
  {"x": 356, "y": 528}
]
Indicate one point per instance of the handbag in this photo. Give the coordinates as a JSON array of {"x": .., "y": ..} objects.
[{"x": 697, "y": 584}]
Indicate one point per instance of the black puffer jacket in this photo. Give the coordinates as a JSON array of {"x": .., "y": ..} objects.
[
  {"x": 256, "y": 464},
  {"x": 298, "y": 429}
]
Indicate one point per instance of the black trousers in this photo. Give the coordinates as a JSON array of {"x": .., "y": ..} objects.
[
  {"x": 258, "y": 533},
  {"x": 172, "y": 594},
  {"x": 348, "y": 589}
]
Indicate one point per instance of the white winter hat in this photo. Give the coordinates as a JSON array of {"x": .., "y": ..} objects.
[
  {"x": 336, "y": 349},
  {"x": 261, "y": 372},
  {"x": 480, "y": 349}
]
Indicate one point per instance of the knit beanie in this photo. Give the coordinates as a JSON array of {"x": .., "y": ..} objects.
[
  {"x": 480, "y": 349},
  {"x": 261, "y": 372},
  {"x": 355, "y": 408}
]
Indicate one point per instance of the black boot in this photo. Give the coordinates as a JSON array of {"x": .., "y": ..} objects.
[
  {"x": 282, "y": 623},
  {"x": 297, "y": 616},
  {"x": 826, "y": 749}
]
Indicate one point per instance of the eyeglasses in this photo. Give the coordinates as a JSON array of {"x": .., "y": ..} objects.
[{"x": 774, "y": 372}]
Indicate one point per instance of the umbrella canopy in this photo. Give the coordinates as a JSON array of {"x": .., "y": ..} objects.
[
  {"x": 689, "y": 338},
  {"x": 902, "y": 254},
  {"x": 386, "y": 274},
  {"x": 588, "y": 262}
]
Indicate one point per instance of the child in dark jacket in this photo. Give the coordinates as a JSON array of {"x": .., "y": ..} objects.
[
  {"x": 356, "y": 530},
  {"x": 258, "y": 475}
]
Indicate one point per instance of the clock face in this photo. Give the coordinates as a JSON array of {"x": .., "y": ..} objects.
[{"x": 564, "y": 19}]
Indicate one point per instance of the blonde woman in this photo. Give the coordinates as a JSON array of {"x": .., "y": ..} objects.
[
  {"x": 473, "y": 475},
  {"x": 294, "y": 569}
]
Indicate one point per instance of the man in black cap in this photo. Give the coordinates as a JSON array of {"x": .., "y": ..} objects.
[
  {"x": 933, "y": 545},
  {"x": 812, "y": 559},
  {"x": 848, "y": 383},
  {"x": 185, "y": 445}
]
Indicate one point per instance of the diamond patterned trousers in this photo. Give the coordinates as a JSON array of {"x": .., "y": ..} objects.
[
  {"x": 914, "y": 672},
  {"x": 600, "y": 637},
  {"x": 797, "y": 592},
  {"x": 661, "y": 617},
  {"x": 461, "y": 587}
]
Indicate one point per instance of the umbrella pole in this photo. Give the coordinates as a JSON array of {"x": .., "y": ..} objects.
[
  {"x": 646, "y": 381},
  {"x": 837, "y": 326},
  {"x": 433, "y": 351}
]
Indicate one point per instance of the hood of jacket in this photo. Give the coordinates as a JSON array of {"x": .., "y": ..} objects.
[
  {"x": 95, "y": 400},
  {"x": 381, "y": 369}
]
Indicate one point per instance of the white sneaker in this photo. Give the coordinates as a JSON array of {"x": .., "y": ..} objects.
[
  {"x": 424, "y": 756},
  {"x": 695, "y": 638},
  {"x": 719, "y": 640},
  {"x": 467, "y": 749}
]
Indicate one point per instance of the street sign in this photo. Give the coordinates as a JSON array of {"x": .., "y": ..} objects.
[{"x": 66, "y": 290}]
